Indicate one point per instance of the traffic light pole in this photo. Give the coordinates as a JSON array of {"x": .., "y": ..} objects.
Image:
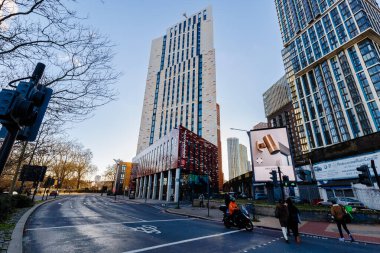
[
  {"x": 6, "y": 148},
  {"x": 375, "y": 172},
  {"x": 281, "y": 185}
]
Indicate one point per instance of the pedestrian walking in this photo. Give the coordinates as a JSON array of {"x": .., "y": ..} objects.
[
  {"x": 341, "y": 217},
  {"x": 201, "y": 199},
  {"x": 282, "y": 214},
  {"x": 293, "y": 219}
]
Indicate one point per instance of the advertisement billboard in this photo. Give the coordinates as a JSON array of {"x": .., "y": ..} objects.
[
  {"x": 270, "y": 150},
  {"x": 344, "y": 168}
]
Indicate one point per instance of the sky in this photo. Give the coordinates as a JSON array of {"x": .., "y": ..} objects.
[{"x": 247, "y": 43}]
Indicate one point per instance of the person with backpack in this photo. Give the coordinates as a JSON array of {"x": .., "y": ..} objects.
[
  {"x": 340, "y": 216},
  {"x": 293, "y": 219},
  {"x": 282, "y": 214}
]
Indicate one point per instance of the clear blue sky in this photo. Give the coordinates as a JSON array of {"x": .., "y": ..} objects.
[{"x": 248, "y": 47}]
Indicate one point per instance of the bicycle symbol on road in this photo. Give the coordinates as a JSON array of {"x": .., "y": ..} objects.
[{"x": 149, "y": 229}]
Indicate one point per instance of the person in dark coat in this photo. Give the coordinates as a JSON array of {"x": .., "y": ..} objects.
[
  {"x": 282, "y": 214},
  {"x": 293, "y": 219},
  {"x": 227, "y": 199}
]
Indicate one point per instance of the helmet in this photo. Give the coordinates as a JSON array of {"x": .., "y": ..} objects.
[{"x": 232, "y": 199}]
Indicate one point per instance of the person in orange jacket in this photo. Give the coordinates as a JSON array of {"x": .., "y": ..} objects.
[{"x": 233, "y": 208}]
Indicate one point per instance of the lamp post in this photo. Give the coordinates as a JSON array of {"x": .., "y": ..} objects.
[
  {"x": 117, "y": 161},
  {"x": 253, "y": 170}
]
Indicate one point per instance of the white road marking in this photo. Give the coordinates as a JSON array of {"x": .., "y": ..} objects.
[
  {"x": 180, "y": 242},
  {"x": 108, "y": 223}
]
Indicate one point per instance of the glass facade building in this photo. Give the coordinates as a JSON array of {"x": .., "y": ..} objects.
[
  {"x": 182, "y": 153},
  {"x": 332, "y": 64}
]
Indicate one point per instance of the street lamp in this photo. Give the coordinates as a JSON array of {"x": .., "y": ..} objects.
[
  {"x": 117, "y": 161},
  {"x": 253, "y": 171}
]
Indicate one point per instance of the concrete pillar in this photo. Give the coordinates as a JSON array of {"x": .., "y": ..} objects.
[
  {"x": 161, "y": 189},
  {"x": 137, "y": 188},
  {"x": 177, "y": 183},
  {"x": 144, "y": 188},
  {"x": 154, "y": 195},
  {"x": 141, "y": 187},
  {"x": 169, "y": 189},
  {"x": 149, "y": 186}
]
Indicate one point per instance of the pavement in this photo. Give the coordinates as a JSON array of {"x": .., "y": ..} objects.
[{"x": 361, "y": 232}]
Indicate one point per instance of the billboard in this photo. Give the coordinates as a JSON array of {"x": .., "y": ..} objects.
[
  {"x": 270, "y": 150},
  {"x": 344, "y": 168}
]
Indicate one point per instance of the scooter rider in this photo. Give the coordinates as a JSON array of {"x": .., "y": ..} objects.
[{"x": 233, "y": 208}]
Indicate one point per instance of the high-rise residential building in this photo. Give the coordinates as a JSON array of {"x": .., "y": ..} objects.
[
  {"x": 331, "y": 56},
  {"x": 178, "y": 138},
  {"x": 237, "y": 158},
  {"x": 279, "y": 112},
  {"x": 243, "y": 157},
  {"x": 181, "y": 83},
  {"x": 332, "y": 63},
  {"x": 233, "y": 157},
  {"x": 220, "y": 167}
]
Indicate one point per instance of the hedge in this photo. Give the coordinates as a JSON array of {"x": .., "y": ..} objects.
[{"x": 9, "y": 203}]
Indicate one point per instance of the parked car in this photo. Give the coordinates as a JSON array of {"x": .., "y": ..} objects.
[
  {"x": 298, "y": 200},
  {"x": 131, "y": 195},
  {"x": 13, "y": 193},
  {"x": 242, "y": 196},
  {"x": 54, "y": 193},
  {"x": 260, "y": 196},
  {"x": 324, "y": 203},
  {"x": 345, "y": 201}
]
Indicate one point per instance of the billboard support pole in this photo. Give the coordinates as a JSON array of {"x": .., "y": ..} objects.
[
  {"x": 252, "y": 165},
  {"x": 281, "y": 185}
]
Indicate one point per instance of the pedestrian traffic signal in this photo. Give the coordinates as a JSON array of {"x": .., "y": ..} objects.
[
  {"x": 274, "y": 177},
  {"x": 364, "y": 175},
  {"x": 285, "y": 180}
]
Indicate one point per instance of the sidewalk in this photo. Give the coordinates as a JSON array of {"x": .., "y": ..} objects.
[{"x": 361, "y": 232}]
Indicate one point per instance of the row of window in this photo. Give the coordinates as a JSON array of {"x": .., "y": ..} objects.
[
  {"x": 328, "y": 33},
  {"x": 330, "y": 100},
  {"x": 296, "y": 15},
  {"x": 187, "y": 24},
  {"x": 180, "y": 67}
]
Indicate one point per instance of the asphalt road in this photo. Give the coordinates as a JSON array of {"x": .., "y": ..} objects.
[{"x": 91, "y": 223}]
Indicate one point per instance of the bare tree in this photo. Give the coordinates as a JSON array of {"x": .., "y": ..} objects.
[
  {"x": 78, "y": 59},
  {"x": 82, "y": 159},
  {"x": 109, "y": 173}
]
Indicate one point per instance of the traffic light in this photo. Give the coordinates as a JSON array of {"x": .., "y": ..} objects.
[
  {"x": 274, "y": 177},
  {"x": 285, "y": 180},
  {"x": 42, "y": 95},
  {"x": 24, "y": 108},
  {"x": 364, "y": 175},
  {"x": 14, "y": 109}
]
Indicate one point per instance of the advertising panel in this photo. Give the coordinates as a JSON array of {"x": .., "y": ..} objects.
[
  {"x": 344, "y": 168},
  {"x": 270, "y": 150}
]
